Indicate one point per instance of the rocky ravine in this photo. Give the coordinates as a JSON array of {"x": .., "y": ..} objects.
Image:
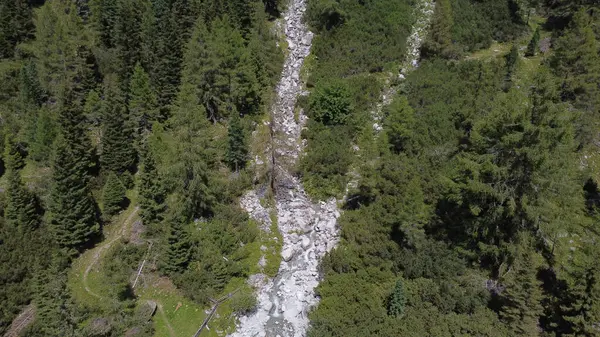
[{"x": 308, "y": 229}]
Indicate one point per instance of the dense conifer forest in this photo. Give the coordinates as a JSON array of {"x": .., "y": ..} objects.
[{"x": 131, "y": 129}]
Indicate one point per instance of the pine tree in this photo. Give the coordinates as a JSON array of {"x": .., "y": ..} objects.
[
  {"x": 522, "y": 296},
  {"x": 104, "y": 17},
  {"x": 142, "y": 104},
  {"x": 72, "y": 211},
  {"x": 21, "y": 210},
  {"x": 219, "y": 66},
  {"x": 62, "y": 47},
  {"x": 118, "y": 154},
  {"x": 54, "y": 305},
  {"x": 528, "y": 181},
  {"x": 237, "y": 150},
  {"x": 399, "y": 124},
  {"x": 397, "y": 301},
  {"x": 439, "y": 40},
  {"x": 128, "y": 36},
  {"x": 15, "y": 25},
  {"x": 44, "y": 135},
  {"x": 29, "y": 85},
  {"x": 113, "y": 195},
  {"x": 577, "y": 62},
  {"x": 178, "y": 248},
  {"x": 152, "y": 192},
  {"x": 532, "y": 47}
]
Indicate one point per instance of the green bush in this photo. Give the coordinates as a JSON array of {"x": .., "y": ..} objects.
[{"x": 330, "y": 103}]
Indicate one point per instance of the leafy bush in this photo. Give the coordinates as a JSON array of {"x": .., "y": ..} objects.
[{"x": 330, "y": 103}]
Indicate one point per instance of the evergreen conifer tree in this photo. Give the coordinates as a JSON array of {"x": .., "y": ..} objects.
[
  {"x": 118, "y": 154},
  {"x": 527, "y": 181},
  {"x": 577, "y": 62},
  {"x": 15, "y": 25},
  {"x": 44, "y": 135},
  {"x": 580, "y": 307},
  {"x": 532, "y": 47},
  {"x": 178, "y": 248},
  {"x": 237, "y": 150},
  {"x": 52, "y": 299},
  {"x": 219, "y": 66},
  {"x": 142, "y": 104},
  {"x": 62, "y": 47},
  {"x": 29, "y": 85},
  {"x": 72, "y": 209},
  {"x": 21, "y": 209},
  {"x": 439, "y": 40},
  {"x": 152, "y": 192},
  {"x": 104, "y": 19},
  {"x": 522, "y": 296},
  {"x": 397, "y": 301},
  {"x": 129, "y": 36},
  {"x": 113, "y": 195}
]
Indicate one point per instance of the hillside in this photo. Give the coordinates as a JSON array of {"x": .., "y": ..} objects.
[{"x": 299, "y": 168}]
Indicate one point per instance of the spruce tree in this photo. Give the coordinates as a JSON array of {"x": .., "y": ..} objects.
[
  {"x": 142, "y": 104},
  {"x": 219, "y": 66},
  {"x": 528, "y": 181},
  {"x": 117, "y": 154},
  {"x": 52, "y": 299},
  {"x": 72, "y": 127},
  {"x": 399, "y": 124},
  {"x": 522, "y": 296},
  {"x": 15, "y": 25},
  {"x": 72, "y": 210},
  {"x": 21, "y": 210},
  {"x": 29, "y": 85},
  {"x": 152, "y": 192},
  {"x": 128, "y": 36},
  {"x": 178, "y": 247},
  {"x": 103, "y": 18},
  {"x": 580, "y": 305},
  {"x": 44, "y": 135},
  {"x": 237, "y": 150},
  {"x": 198, "y": 156},
  {"x": 532, "y": 47},
  {"x": 439, "y": 40},
  {"x": 511, "y": 60},
  {"x": 577, "y": 62},
  {"x": 62, "y": 47},
  {"x": 397, "y": 301},
  {"x": 113, "y": 195}
]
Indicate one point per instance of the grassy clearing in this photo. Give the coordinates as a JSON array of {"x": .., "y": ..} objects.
[{"x": 179, "y": 315}]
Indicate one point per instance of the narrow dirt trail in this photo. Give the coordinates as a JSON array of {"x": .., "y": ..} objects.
[{"x": 105, "y": 246}]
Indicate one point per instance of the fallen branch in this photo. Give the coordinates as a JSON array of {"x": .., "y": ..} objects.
[
  {"x": 213, "y": 310},
  {"x": 142, "y": 266}
]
